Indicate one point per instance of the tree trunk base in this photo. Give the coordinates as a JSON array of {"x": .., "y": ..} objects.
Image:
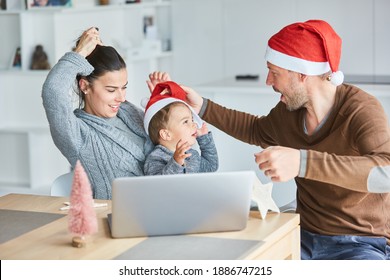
[{"x": 79, "y": 242}]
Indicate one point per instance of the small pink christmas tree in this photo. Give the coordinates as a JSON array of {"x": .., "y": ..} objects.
[{"x": 82, "y": 215}]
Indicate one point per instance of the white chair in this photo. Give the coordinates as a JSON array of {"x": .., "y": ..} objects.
[{"x": 62, "y": 186}]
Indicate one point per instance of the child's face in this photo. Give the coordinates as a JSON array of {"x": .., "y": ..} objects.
[{"x": 181, "y": 125}]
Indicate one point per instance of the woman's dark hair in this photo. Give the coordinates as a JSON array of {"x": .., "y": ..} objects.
[{"x": 103, "y": 59}]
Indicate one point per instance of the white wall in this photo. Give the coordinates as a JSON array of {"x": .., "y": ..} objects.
[
  {"x": 381, "y": 37},
  {"x": 215, "y": 39},
  {"x": 198, "y": 40}
]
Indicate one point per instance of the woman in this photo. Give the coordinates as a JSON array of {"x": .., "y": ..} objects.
[{"x": 106, "y": 133}]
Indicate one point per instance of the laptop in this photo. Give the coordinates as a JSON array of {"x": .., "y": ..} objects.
[{"x": 180, "y": 204}]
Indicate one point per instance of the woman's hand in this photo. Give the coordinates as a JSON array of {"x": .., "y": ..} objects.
[{"x": 88, "y": 41}]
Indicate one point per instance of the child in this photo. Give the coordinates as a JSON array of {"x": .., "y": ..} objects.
[{"x": 174, "y": 127}]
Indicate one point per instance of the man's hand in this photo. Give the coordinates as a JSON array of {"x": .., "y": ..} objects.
[
  {"x": 279, "y": 163},
  {"x": 193, "y": 98}
]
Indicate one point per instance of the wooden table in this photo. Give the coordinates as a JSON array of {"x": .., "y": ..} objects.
[{"x": 279, "y": 232}]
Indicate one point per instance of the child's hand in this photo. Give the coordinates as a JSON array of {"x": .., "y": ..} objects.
[
  {"x": 156, "y": 78},
  {"x": 180, "y": 154},
  {"x": 203, "y": 130}
]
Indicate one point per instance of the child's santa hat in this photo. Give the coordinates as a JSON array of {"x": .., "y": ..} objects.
[
  {"x": 310, "y": 48},
  {"x": 157, "y": 101}
]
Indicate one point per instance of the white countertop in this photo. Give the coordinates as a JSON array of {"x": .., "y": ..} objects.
[{"x": 231, "y": 85}]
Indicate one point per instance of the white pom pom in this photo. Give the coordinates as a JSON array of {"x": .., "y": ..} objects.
[
  {"x": 337, "y": 78},
  {"x": 144, "y": 102}
]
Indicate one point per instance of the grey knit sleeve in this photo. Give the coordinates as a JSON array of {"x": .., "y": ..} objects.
[
  {"x": 65, "y": 128},
  {"x": 209, "y": 156},
  {"x": 160, "y": 162}
]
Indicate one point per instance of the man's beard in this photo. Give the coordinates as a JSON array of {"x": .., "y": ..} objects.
[{"x": 297, "y": 98}]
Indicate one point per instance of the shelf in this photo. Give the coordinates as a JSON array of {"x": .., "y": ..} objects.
[
  {"x": 90, "y": 8},
  {"x": 136, "y": 55},
  {"x": 22, "y": 72},
  {"x": 10, "y": 12},
  {"x": 30, "y": 160},
  {"x": 25, "y": 129}
]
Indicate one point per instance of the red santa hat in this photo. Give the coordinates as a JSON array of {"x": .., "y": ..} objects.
[
  {"x": 310, "y": 48},
  {"x": 157, "y": 101}
]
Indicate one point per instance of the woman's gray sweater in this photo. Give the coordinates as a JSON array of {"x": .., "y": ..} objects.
[{"x": 105, "y": 151}]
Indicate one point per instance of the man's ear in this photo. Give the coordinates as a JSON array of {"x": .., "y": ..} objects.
[
  {"x": 302, "y": 77},
  {"x": 164, "y": 134}
]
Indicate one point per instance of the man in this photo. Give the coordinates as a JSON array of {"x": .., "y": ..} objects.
[{"x": 333, "y": 138}]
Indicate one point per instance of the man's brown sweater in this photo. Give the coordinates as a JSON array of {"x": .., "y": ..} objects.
[{"x": 344, "y": 184}]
